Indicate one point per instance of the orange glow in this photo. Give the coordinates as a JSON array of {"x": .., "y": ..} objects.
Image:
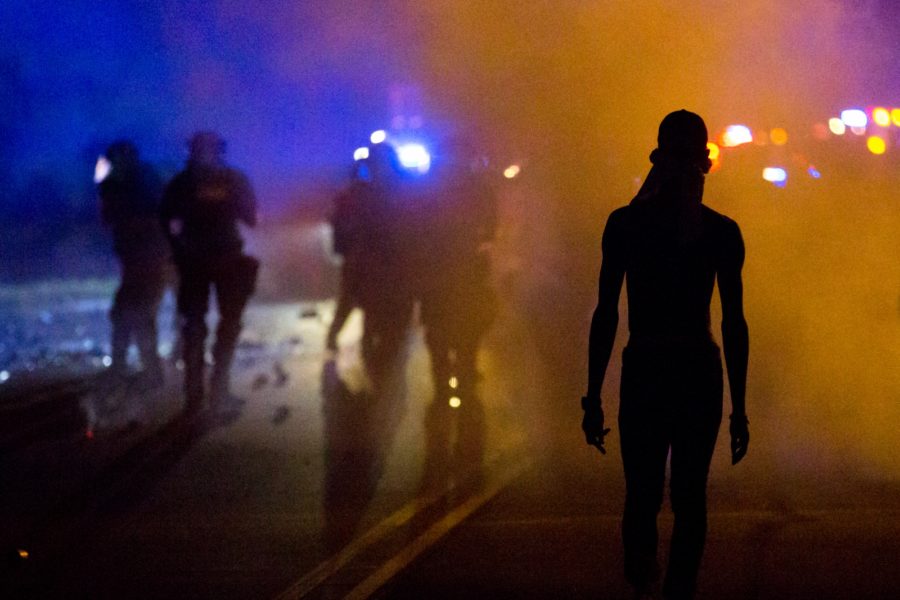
[
  {"x": 454, "y": 382},
  {"x": 881, "y": 116},
  {"x": 820, "y": 131},
  {"x": 511, "y": 171},
  {"x": 713, "y": 151},
  {"x": 455, "y": 402},
  {"x": 895, "y": 116},
  {"x": 876, "y": 145},
  {"x": 778, "y": 136},
  {"x": 23, "y": 554}
]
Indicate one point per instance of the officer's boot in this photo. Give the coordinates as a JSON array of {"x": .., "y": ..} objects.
[
  {"x": 223, "y": 354},
  {"x": 121, "y": 334},
  {"x": 146, "y": 337}
]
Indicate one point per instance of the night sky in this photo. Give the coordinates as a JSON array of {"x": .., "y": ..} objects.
[{"x": 296, "y": 86}]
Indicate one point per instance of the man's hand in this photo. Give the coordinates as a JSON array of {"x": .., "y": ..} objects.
[
  {"x": 740, "y": 437},
  {"x": 592, "y": 423}
]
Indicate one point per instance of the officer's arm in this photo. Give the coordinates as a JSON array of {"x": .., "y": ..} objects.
[
  {"x": 606, "y": 315},
  {"x": 168, "y": 206},
  {"x": 246, "y": 201}
]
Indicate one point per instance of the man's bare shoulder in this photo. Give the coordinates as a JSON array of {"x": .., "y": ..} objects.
[
  {"x": 719, "y": 222},
  {"x": 619, "y": 216},
  {"x": 726, "y": 236}
]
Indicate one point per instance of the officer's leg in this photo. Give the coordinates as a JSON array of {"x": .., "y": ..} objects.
[
  {"x": 693, "y": 442},
  {"x": 235, "y": 282},
  {"x": 439, "y": 415},
  {"x": 122, "y": 315},
  {"x": 386, "y": 326},
  {"x": 345, "y": 304},
  {"x": 193, "y": 302},
  {"x": 145, "y": 333},
  {"x": 472, "y": 428},
  {"x": 644, "y": 439}
]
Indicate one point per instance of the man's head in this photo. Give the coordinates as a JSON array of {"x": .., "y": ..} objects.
[
  {"x": 207, "y": 148},
  {"x": 681, "y": 142}
]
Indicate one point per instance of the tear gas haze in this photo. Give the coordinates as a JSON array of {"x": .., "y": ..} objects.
[{"x": 571, "y": 92}]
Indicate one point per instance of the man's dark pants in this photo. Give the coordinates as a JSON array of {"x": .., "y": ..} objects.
[{"x": 671, "y": 400}]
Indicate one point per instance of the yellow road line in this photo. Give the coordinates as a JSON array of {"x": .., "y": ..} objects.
[
  {"x": 403, "y": 515},
  {"x": 334, "y": 564},
  {"x": 408, "y": 554}
]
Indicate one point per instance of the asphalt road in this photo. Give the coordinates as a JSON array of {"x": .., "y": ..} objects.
[{"x": 116, "y": 497}]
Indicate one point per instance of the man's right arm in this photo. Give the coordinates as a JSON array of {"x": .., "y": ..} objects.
[
  {"x": 603, "y": 330},
  {"x": 605, "y": 320},
  {"x": 735, "y": 337}
]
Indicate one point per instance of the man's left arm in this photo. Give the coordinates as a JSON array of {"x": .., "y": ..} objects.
[{"x": 735, "y": 339}]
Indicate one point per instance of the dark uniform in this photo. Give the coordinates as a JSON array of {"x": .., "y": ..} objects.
[
  {"x": 129, "y": 198},
  {"x": 458, "y": 306},
  {"x": 385, "y": 291},
  {"x": 348, "y": 222},
  {"x": 201, "y": 209}
]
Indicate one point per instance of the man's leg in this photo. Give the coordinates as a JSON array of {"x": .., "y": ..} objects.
[
  {"x": 693, "y": 441},
  {"x": 644, "y": 438}
]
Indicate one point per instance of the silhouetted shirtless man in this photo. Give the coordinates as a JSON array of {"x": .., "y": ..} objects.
[{"x": 671, "y": 250}]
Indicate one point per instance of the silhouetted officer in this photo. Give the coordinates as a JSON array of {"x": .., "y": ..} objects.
[
  {"x": 458, "y": 306},
  {"x": 201, "y": 210},
  {"x": 129, "y": 202},
  {"x": 348, "y": 224},
  {"x": 385, "y": 290},
  {"x": 671, "y": 250}
]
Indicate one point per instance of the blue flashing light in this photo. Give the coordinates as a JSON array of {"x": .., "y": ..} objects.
[
  {"x": 378, "y": 136},
  {"x": 814, "y": 173},
  {"x": 414, "y": 157}
]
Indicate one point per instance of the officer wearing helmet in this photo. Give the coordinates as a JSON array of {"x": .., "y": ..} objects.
[
  {"x": 201, "y": 209},
  {"x": 458, "y": 305},
  {"x": 129, "y": 206}
]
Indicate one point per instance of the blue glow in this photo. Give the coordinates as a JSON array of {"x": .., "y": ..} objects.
[
  {"x": 414, "y": 157},
  {"x": 378, "y": 136},
  {"x": 814, "y": 173},
  {"x": 853, "y": 117}
]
